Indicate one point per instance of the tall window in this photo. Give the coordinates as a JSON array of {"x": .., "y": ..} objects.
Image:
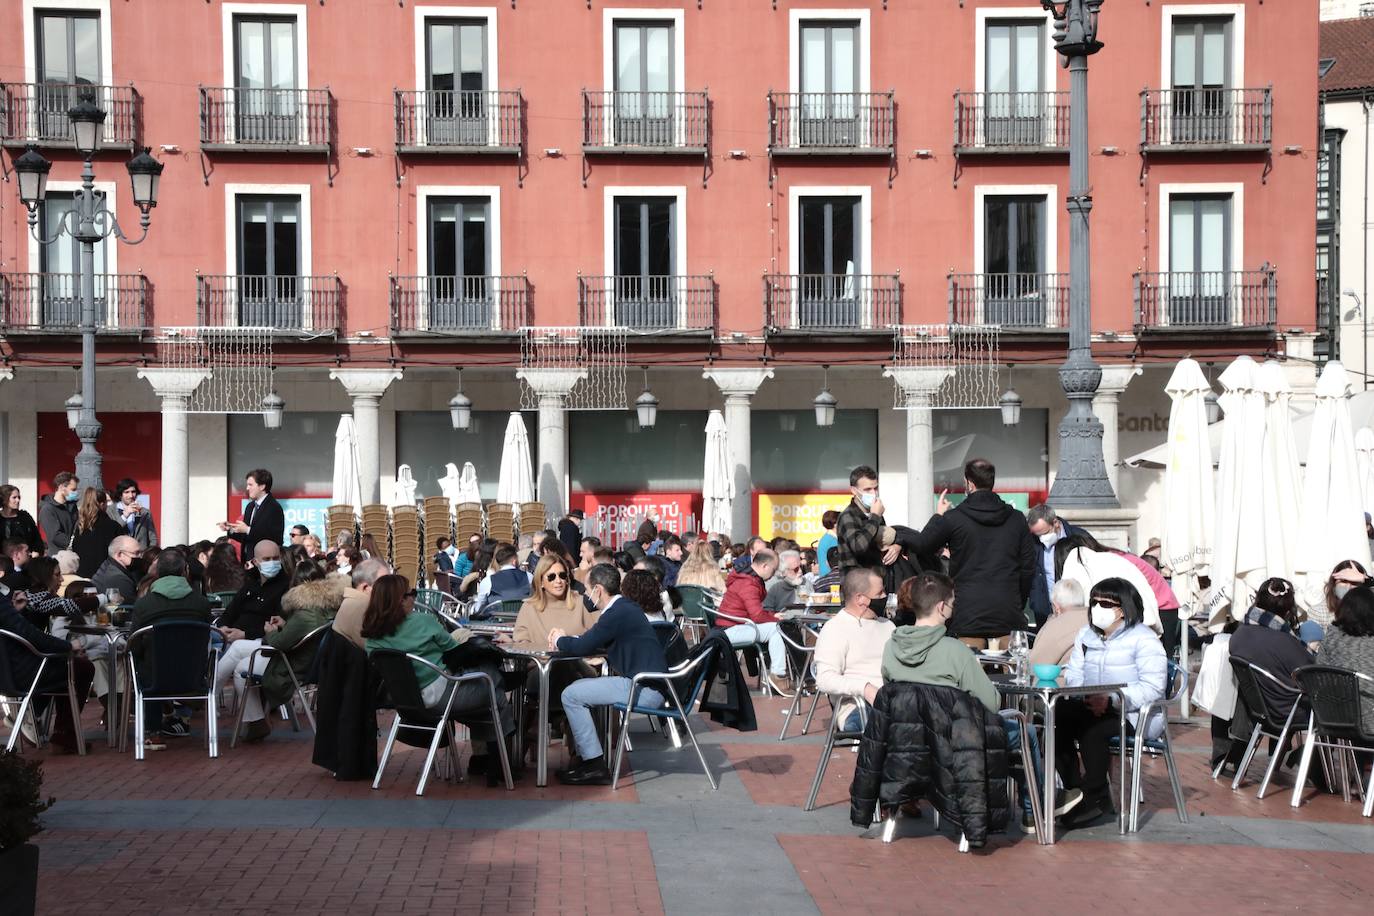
[
  {"x": 60, "y": 263},
  {"x": 1013, "y": 80},
  {"x": 457, "y": 77},
  {"x": 1014, "y": 260},
  {"x": 829, "y": 83},
  {"x": 830, "y": 243},
  {"x": 1329, "y": 243},
  {"x": 267, "y": 109},
  {"x": 644, "y": 73},
  {"x": 459, "y": 262},
  {"x": 1201, "y": 80},
  {"x": 269, "y": 257},
  {"x": 68, "y": 58},
  {"x": 1199, "y": 259},
  {"x": 645, "y": 261}
]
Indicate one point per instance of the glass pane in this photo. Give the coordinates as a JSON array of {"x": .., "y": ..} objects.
[
  {"x": 1181, "y": 236},
  {"x": 87, "y": 63},
  {"x": 1214, "y": 55},
  {"x": 426, "y": 440},
  {"x": 628, "y": 59},
  {"x": 441, "y": 63},
  {"x": 253, "y": 250},
  {"x": 788, "y": 456},
  {"x": 1212, "y": 226},
  {"x": 475, "y": 262},
  {"x": 843, "y": 245},
  {"x": 844, "y": 54},
  {"x": 59, "y": 255},
  {"x": 1028, "y": 236},
  {"x": 1027, "y": 58},
  {"x": 813, "y": 237},
  {"x": 1185, "y": 67},
  {"x": 283, "y": 55},
  {"x": 659, "y": 59},
  {"x": 609, "y": 453},
  {"x": 252, "y": 55},
  {"x": 999, "y": 58},
  {"x": 472, "y": 49},
  {"x": 56, "y": 66},
  {"x": 443, "y": 239},
  {"x": 660, "y": 231},
  {"x": 300, "y": 453},
  {"x": 628, "y": 240},
  {"x": 812, "y": 59},
  {"x": 997, "y": 230}
]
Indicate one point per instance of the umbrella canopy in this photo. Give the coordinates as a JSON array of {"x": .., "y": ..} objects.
[
  {"x": 516, "y": 483},
  {"x": 448, "y": 484},
  {"x": 403, "y": 494},
  {"x": 348, "y": 491},
  {"x": 468, "y": 491},
  {"x": 1279, "y": 472},
  {"x": 1238, "y": 548},
  {"x": 717, "y": 481},
  {"x": 1189, "y": 493},
  {"x": 1364, "y": 463},
  {"x": 1332, "y": 521}
]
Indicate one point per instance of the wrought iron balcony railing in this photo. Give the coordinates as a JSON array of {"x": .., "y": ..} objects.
[
  {"x": 266, "y": 120},
  {"x": 459, "y": 121},
  {"x": 831, "y": 123},
  {"x": 1011, "y": 122},
  {"x": 645, "y": 122},
  {"x": 1015, "y": 302},
  {"x": 1206, "y": 119},
  {"x": 37, "y": 113},
  {"x": 51, "y": 302},
  {"x": 295, "y": 304},
  {"x": 832, "y": 302},
  {"x": 647, "y": 303},
  {"x": 1212, "y": 299},
  {"x": 460, "y": 305}
]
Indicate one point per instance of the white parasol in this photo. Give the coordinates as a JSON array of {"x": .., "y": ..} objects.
[
  {"x": 468, "y": 491},
  {"x": 717, "y": 481},
  {"x": 1238, "y": 544},
  {"x": 515, "y": 485},
  {"x": 347, "y": 489}
]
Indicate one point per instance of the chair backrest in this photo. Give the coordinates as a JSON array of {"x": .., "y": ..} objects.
[
  {"x": 10, "y": 685},
  {"x": 398, "y": 676},
  {"x": 1252, "y": 697},
  {"x": 429, "y": 599},
  {"x": 172, "y": 657},
  {"x": 693, "y": 601},
  {"x": 690, "y": 674},
  {"x": 1177, "y": 683},
  {"x": 672, "y": 641},
  {"x": 1335, "y": 697}
]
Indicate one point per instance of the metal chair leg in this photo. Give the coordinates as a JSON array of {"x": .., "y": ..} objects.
[
  {"x": 386, "y": 751},
  {"x": 238, "y": 717},
  {"x": 821, "y": 767},
  {"x": 1280, "y": 751},
  {"x": 621, "y": 742},
  {"x": 1174, "y": 781},
  {"x": 816, "y": 701},
  {"x": 691, "y": 735},
  {"x": 500, "y": 738},
  {"x": 1369, "y": 796},
  {"x": 1245, "y": 760},
  {"x": 890, "y": 826},
  {"x": 19, "y": 722},
  {"x": 1300, "y": 779},
  {"x": 429, "y": 758},
  {"x": 138, "y": 726},
  {"x": 1136, "y": 748},
  {"x": 790, "y": 713}
]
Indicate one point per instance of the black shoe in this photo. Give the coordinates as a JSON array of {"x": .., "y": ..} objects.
[
  {"x": 479, "y": 765},
  {"x": 591, "y": 772},
  {"x": 172, "y": 727},
  {"x": 1091, "y": 812}
]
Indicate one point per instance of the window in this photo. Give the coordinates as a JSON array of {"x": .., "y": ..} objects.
[
  {"x": 459, "y": 262},
  {"x": 457, "y": 77},
  {"x": 60, "y": 264},
  {"x": 829, "y": 247},
  {"x": 427, "y": 441},
  {"x": 609, "y": 453},
  {"x": 269, "y": 259},
  {"x": 1014, "y": 260},
  {"x": 1200, "y": 259},
  {"x": 266, "y": 103},
  {"x": 644, "y": 81},
  {"x": 786, "y": 455},
  {"x": 67, "y": 58},
  {"x": 645, "y": 261},
  {"x": 829, "y": 83},
  {"x": 1015, "y": 106},
  {"x": 1201, "y": 80}
]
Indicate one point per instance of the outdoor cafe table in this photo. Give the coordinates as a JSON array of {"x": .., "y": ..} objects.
[
  {"x": 1050, "y": 697},
  {"x": 117, "y": 638},
  {"x": 543, "y": 660}
]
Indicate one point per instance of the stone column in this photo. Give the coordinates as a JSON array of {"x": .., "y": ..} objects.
[
  {"x": 552, "y": 386},
  {"x": 174, "y": 387},
  {"x": 739, "y": 386},
  {"x": 1106, "y": 403},
  {"x": 918, "y": 385},
  {"x": 366, "y": 387},
  {"x": 6, "y": 375}
]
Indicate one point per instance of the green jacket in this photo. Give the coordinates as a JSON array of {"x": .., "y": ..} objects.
[
  {"x": 306, "y": 607},
  {"x": 925, "y": 655},
  {"x": 170, "y": 598}
]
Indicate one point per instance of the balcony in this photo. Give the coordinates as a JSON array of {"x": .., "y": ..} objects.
[
  {"x": 1011, "y": 122},
  {"x": 831, "y": 123},
  {"x": 37, "y": 113},
  {"x": 460, "y": 121},
  {"x": 1013, "y": 302},
  {"x": 50, "y": 303},
  {"x": 1207, "y": 300},
  {"x": 289, "y": 304},
  {"x": 645, "y": 122},
  {"x": 650, "y": 304},
  {"x": 466, "y": 306},
  {"x": 1205, "y": 120},
  {"x": 831, "y": 302},
  {"x": 266, "y": 120}
]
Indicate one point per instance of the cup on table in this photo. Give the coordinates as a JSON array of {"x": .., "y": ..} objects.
[
  {"x": 834, "y": 593},
  {"x": 102, "y": 616}
]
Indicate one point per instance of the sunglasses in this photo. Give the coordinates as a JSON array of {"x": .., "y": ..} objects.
[
  {"x": 1107, "y": 602},
  {"x": 554, "y": 576}
]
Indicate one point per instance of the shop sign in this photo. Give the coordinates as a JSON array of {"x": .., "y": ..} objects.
[
  {"x": 310, "y": 511},
  {"x": 615, "y": 517},
  {"x": 795, "y": 515}
]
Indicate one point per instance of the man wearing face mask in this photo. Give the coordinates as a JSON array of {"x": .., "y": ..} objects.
[
  {"x": 120, "y": 570},
  {"x": 859, "y": 529},
  {"x": 254, "y": 612},
  {"x": 1049, "y": 529}
]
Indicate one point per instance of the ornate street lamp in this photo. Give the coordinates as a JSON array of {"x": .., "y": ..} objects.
[
  {"x": 1010, "y": 403},
  {"x": 33, "y": 177},
  {"x": 646, "y": 405},
  {"x": 273, "y": 406},
  {"x": 460, "y": 407},
  {"x": 825, "y": 402},
  {"x": 88, "y": 122}
]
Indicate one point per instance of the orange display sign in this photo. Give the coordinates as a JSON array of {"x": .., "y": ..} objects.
[{"x": 795, "y": 515}]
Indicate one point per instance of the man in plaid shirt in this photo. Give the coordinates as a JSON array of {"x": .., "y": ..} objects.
[{"x": 859, "y": 529}]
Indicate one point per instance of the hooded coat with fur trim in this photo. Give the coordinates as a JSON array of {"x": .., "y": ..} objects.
[{"x": 306, "y": 607}]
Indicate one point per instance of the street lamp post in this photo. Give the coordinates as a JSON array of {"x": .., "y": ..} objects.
[
  {"x": 1082, "y": 479},
  {"x": 88, "y": 222}
]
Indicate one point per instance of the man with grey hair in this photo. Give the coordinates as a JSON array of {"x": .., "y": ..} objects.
[
  {"x": 348, "y": 622},
  {"x": 1049, "y": 529},
  {"x": 1054, "y": 644},
  {"x": 782, "y": 588},
  {"x": 114, "y": 573}
]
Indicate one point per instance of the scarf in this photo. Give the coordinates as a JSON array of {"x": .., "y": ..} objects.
[{"x": 1261, "y": 618}]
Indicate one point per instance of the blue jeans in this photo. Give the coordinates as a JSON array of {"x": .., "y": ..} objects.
[
  {"x": 770, "y": 635},
  {"x": 1013, "y": 728},
  {"x": 598, "y": 691}
]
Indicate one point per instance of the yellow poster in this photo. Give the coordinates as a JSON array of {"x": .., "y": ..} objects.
[{"x": 795, "y": 515}]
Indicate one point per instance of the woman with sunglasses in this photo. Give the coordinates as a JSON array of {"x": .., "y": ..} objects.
[
  {"x": 1116, "y": 647},
  {"x": 553, "y": 606}
]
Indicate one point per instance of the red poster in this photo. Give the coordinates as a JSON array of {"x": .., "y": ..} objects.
[{"x": 615, "y": 517}]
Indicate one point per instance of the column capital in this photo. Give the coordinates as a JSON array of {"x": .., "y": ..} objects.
[
  {"x": 551, "y": 382},
  {"x": 174, "y": 383},
  {"x": 919, "y": 383},
  {"x": 365, "y": 383},
  {"x": 738, "y": 383},
  {"x": 1115, "y": 379}
]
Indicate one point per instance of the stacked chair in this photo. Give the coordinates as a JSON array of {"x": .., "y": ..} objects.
[
  {"x": 469, "y": 522},
  {"x": 532, "y": 518},
  {"x": 501, "y": 521},
  {"x": 407, "y": 553},
  {"x": 340, "y": 518},
  {"x": 437, "y": 520},
  {"x": 377, "y": 522}
]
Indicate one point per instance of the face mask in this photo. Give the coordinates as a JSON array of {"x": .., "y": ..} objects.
[
  {"x": 1050, "y": 538},
  {"x": 1341, "y": 591},
  {"x": 1103, "y": 617},
  {"x": 269, "y": 568},
  {"x": 867, "y": 499},
  {"x": 451, "y": 550}
]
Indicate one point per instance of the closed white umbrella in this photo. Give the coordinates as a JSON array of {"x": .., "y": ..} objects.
[
  {"x": 515, "y": 484},
  {"x": 1364, "y": 463},
  {"x": 403, "y": 493},
  {"x": 1332, "y": 526},
  {"x": 468, "y": 491},
  {"x": 347, "y": 490},
  {"x": 1238, "y": 545},
  {"x": 717, "y": 480},
  {"x": 1279, "y": 473}
]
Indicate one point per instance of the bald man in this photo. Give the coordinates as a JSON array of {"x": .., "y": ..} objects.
[{"x": 118, "y": 572}]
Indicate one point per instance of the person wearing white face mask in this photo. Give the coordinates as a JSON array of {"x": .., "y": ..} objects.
[
  {"x": 1115, "y": 648},
  {"x": 859, "y": 529},
  {"x": 253, "y": 612},
  {"x": 1049, "y": 529}
]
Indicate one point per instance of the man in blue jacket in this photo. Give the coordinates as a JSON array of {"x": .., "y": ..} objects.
[
  {"x": 1049, "y": 529},
  {"x": 625, "y": 637}
]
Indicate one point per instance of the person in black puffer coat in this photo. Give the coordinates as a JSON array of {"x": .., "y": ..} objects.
[{"x": 936, "y": 743}]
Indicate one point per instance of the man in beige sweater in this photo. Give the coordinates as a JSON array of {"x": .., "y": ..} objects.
[
  {"x": 1054, "y": 643},
  {"x": 348, "y": 621},
  {"x": 849, "y": 650}
]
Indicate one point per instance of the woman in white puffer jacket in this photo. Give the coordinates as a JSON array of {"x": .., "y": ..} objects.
[{"x": 1115, "y": 648}]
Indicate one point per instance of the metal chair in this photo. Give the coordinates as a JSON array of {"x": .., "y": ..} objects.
[
  {"x": 694, "y": 597},
  {"x": 254, "y": 681},
  {"x": 1336, "y": 723},
  {"x": 170, "y": 668},
  {"x": 692, "y": 674},
  {"x": 1267, "y": 721},
  {"x": 430, "y": 599},
  {"x": 397, "y": 672},
  {"x": 11, "y": 688},
  {"x": 809, "y": 668},
  {"x": 756, "y": 646},
  {"x": 834, "y": 736},
  {"x": 1177, "y": 686}
]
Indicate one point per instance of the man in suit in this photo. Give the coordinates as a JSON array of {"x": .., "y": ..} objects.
[
  {"x": 263, "y": 518},
  {"x": 1049, "y": 529},
  {"x": 506, "y": 584}
]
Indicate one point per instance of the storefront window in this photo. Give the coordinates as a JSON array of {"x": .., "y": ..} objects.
[
  {"x": 1020, "y": 453},
  {"x": 427, "y": 441},
  {"x": 300, "y": 455},
  {"x": 609, "y": 453},
  {"x": 790, "y": 453}
]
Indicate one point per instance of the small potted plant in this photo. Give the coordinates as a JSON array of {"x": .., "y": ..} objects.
[{"x": 21, "y": 802}]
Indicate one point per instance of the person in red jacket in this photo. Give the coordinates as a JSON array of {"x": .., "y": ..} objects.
[{"x": 744, "y": 594}]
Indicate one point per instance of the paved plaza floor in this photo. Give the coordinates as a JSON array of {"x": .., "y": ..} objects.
[{"x": 263, "y": 830}]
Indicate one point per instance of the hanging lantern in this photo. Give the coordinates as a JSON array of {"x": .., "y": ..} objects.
[
  {"x": 273, "y": 406},
  {"x": 1010, "y": 403},
  {"x": 460, "y": 407},
  {"x": 825, "y": 402},
  {"x": 646, "y": 405}
]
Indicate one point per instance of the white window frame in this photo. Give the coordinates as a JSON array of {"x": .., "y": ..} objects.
[
  {"x": 422, "y": 196},
  {"x": 679, "y": 193},
  {"x": 227, "y": 14},
  {"x": 794, "y": 196},
  {"x": 1050, "y": 192},
  {"x": 1168, "y": 13},
  {"x": 609, "y": 17},
  {"x": 102, "y": 7},
  {"x": 107, "y": 188},
  {"x": 1236, "y": 190},
  {"x": 231, "y": 235},
  {"x": 795, "y": 18},
  {"x": 425, "y": 13},
  {"x": 980, "y": 39}
]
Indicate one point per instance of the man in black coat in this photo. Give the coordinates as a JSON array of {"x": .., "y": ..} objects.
[
  {"x": 1049, "y": 529},
  {"x": 23, "y": 666},
  {"x": 570, "y": 531},
  {"x": 263, "y": 518},
  {"x": 992, "y": 559},
  {"x": 117, "y": 570}
]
